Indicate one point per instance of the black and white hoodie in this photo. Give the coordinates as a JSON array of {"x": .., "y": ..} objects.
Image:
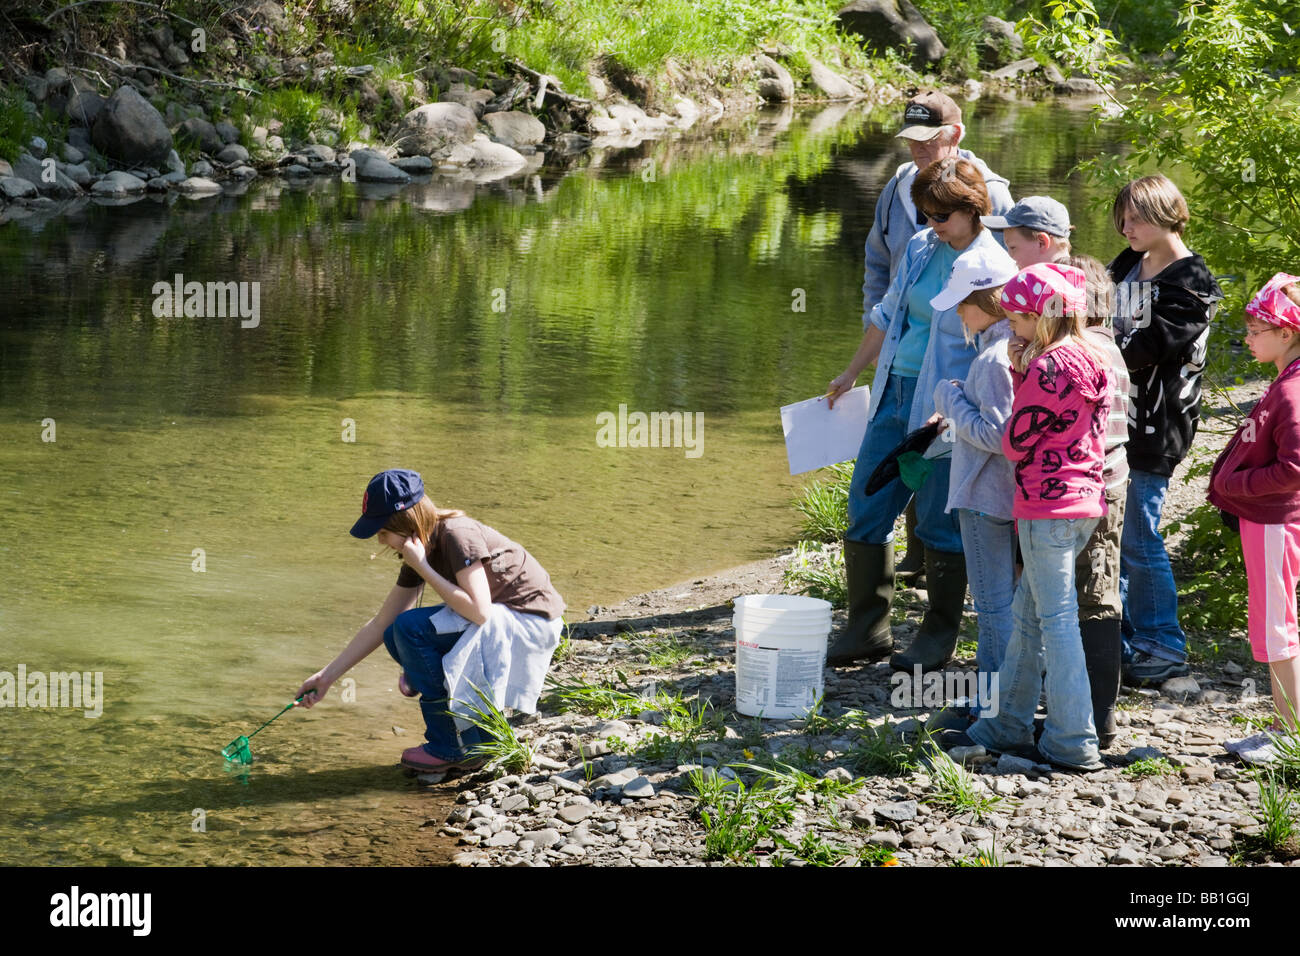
[{"x": 1162, "y": 330}]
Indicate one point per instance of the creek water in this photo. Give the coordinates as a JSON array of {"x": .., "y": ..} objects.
[{"x": 184, "y": 534}]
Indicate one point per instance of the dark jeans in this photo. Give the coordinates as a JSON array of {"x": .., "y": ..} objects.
[{"x": 414, "y": 644}]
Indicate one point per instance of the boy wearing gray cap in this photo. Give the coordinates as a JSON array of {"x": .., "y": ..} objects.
[{"x": 1036, "y": 229}]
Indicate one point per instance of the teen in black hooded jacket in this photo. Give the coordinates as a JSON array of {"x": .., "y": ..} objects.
[{"x": 1166, "y": 298}]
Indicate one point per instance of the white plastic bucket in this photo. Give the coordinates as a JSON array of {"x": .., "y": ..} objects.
[{"x": 780, "y": 653}]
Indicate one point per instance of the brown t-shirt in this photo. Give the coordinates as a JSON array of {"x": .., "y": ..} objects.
[{"x": 515, "y": 579}]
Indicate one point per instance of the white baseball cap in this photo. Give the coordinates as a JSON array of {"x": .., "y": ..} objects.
[{"x": 982, "y": 268}]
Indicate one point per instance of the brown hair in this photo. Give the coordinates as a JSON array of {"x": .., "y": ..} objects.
[
  {"x": 988, "y": 301},
  {"x": 1101, "y": 290},
  {"x": 1292, "y": 292},
  {"x": 1152, "y": 199},
  {"x": 421, "y": 519},
  {"x": 952, "y": 185}
]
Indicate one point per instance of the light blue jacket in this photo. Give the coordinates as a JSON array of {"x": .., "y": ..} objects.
[
  {"x": 891, "y": 227},
  {"x": 982, "y": 479},
  {"x": 947, "y": 355}
]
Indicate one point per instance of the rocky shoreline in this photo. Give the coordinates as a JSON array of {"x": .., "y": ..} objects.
[
  {"x": 130, "y": 118},
  {"x": 637, "y": 738}
]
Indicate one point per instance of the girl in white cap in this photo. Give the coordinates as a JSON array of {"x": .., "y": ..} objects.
[{"x": 980, "y": 489}]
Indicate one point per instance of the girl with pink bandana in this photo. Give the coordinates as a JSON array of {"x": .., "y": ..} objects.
[
  {"x": 1257, "y": 481},
  {"x": 1056, "y": 440}
]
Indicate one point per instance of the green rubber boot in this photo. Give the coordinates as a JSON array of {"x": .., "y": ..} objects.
[
  {"x": 869, "y": 569},
  {"x": 937, "y": 637}
]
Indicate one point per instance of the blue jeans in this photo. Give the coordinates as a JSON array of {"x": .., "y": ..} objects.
[
  {"x": 1146, "y": 582},
  {"x": 990, "y": 545},
  {"x": 871, "y": 520},
  {"x": 1046, "y": 614},
  {"x": 414, "y": 644}
]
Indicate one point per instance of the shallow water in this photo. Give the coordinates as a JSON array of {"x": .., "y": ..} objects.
[{"x": 473, "y": 333}]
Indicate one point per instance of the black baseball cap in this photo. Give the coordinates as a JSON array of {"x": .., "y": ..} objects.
[{"x": 388, "y": 493}]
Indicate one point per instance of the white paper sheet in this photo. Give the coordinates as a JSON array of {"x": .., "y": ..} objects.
[{"x": 817, "y": 436}]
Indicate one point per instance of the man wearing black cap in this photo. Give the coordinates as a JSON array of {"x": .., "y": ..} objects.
[{"x": 932, "y": 127}]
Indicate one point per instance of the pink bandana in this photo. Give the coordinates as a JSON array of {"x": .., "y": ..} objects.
[
  {"x": 1271, "y": 304},
  {"x": 1034, "y": 288}
]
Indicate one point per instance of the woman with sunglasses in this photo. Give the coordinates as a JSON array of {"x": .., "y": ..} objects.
[{"x": 914, "y": 347}]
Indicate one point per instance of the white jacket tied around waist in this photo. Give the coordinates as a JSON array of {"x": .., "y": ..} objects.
[{"x": 505, "y": 657}]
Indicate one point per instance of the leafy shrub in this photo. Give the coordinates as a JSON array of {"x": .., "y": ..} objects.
[
  {"x": 825, "y": 504},
  {"x": 15, "y": 123}
]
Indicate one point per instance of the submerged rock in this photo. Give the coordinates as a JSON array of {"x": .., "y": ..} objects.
[
  {"x": 483, "y": 153},
  {"x": 199, "y": 185},
  {"x": 117, "y": 184},
  {"x": 373, "y": 167}
]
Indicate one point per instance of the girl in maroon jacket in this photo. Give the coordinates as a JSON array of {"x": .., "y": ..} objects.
[{"x": 1257, "y": 479}]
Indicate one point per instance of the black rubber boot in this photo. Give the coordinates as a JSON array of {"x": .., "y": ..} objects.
[
  {"x": 937, "y": 637},
  {"x": 869, "y": 569},
  {"x": 912, "y": 571},
  {"x": 1101, "y": 655}
]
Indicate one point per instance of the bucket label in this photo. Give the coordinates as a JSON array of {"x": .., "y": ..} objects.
[{"x": 777, "y": 682}]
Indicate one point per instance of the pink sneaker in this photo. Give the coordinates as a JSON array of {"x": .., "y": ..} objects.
[
  {"x": 417, "y": 758},
  {"x": 405, "y": 686}
]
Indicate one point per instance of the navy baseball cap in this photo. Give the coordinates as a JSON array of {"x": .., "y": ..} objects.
[{"x": 388, "y": 493}]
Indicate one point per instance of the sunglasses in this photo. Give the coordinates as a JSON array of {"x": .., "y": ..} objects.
[{"x": 939, "y": 217}]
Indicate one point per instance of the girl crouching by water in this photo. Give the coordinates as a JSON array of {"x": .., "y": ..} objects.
[{"x": 495, "y": 631}]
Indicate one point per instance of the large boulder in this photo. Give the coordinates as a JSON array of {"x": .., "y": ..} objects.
[
  {"x": 429, "y": 128},
  {"x": 1000, "y": 43},
  {"x": 776, "y": 84},
  {"x": 889, "y": 24},
  {"x": 129, "y": 130}
]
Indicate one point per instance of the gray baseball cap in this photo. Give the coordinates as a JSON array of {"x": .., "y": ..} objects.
[{"x": 1040, "y": 213}]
